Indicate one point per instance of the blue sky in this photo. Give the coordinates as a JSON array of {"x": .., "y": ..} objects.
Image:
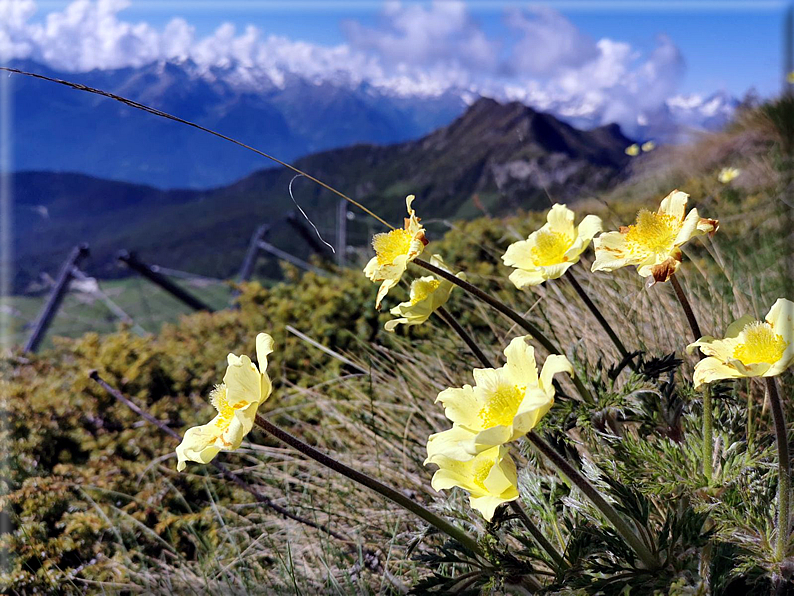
[
  {"x": 637, "y": 64},
  {"x": 725, "y": 45}
]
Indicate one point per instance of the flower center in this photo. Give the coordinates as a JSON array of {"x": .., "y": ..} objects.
[
  {"x": 653, "y": 232},
  {"x": 502, "y": 406},
  {"x": 550, "y": 248},
  {"x": 421, "y": 289},
  {"x": 225, "y": 410},
  {"x": 480, "y": 470},
  {"x": 390, "y": 245},
  {"x": 761, "y": 344}
]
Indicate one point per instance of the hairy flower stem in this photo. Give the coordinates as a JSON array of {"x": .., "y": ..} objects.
[
  {"x": 784, "y": 471},
  {"x": 115, "y": 393},
  {"x": 445, "y": 316},
  {"x": 690, "y": 314},
  {"x": 361, "y": 478},
  {"x": 558, "y": 559},
  {"x": 632, "y": 539},
  {"x": 536, "y": 333},
  {"x": 708, "y": 416},
  {"x": 599, "y": 317}
]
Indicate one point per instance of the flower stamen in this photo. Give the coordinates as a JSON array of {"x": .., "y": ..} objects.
[
  {"x": 652, "y": 232},
  {"x": 421, "y": 289},
  {"x": 502, "y": 406},
  {"x": 760, "y": 344},
  {"x": 390, "y": 245},
  {"x": 225, "y": 410},
  {"x": 550, "y": 248}
]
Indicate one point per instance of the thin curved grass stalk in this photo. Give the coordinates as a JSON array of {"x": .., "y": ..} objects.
[
  {"x": 624, "y": 354},
  {"x": 708, "y": 416},
  {"x": 155, "y": 112},
  {"x": 511, "y": 314},
  {"x": 630, "y": 536},
  {"x": 265, "y": 500},
  {"x": 359, "y": 477},
  {"x": 784, "y": 471}
]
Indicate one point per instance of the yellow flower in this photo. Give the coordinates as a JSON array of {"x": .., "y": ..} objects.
[
  {"x": 427, "y": 295},
  {"x": 393, "y": 251},
  {"x": 790, "y": 78},
  {"x": 633, "y": 150},
  {"x": 750, "y": 348},
  {"x": 237, "y": 399},
  {"x": 652, "y": 243},
  {"x": 648, "y": 146},
  {"x": 504, "y": 404},
  {"x": 728, "y": 174},
  {"x": 548, "y": 252},
  {"x": 490, "y": 478}
]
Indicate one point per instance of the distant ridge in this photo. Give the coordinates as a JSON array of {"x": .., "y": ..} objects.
[
  {"x": 291, "y": 115},
  {"x": 495, "y": 157}
]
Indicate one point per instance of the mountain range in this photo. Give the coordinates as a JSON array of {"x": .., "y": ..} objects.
[
  {"x": 495, "y": 158},
  {"x": 284, "y": 113}
]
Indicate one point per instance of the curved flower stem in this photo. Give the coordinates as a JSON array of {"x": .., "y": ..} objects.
[
  {"x": 584, "y": 485},
  {"x": 445, "y": 316},
  {"x": 527, "y": 326},
  {"x": 784, "y": 471},
  {"x": 690, "y": 314},
  {"x": 558, "y": 559},
  {"x": 708, "y": 435},
  {"x": 708, "y": 425},
  {"x": 265, "y": 500},
  {"x": 624, "y": 354},
  {"x": 361, "y": 478}
]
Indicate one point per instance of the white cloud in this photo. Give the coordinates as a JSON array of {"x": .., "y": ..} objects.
[
  {"x": 413, "y": 35},
  {"x": 416, "y": 49},
  {"x": 548, "y": 42}
]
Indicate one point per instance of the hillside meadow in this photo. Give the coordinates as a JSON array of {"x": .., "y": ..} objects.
[{"x": 96, "y": 504}]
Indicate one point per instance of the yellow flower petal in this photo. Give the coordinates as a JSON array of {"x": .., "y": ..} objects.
[
  {"x": 489, "y": 478},
  {"x": 236, "y": 401},
  {"x": 554, "y": 364},
  {"x": 726, "y": 175},
  {"x": 674, "y": 205},
  {"x": 588, "y": 228},
  {"x": 522, "y": 279},
  {"x": 521, "y": 366},
  {"x": 507, "y": 402},
  {"x": 460, "y": 405},
  {"x": 548, "y": 252},
  {"x": 712, "y": 369},
  {"x": 751, "y": 348},
  {"x": 393, "y": 251},
  {"x": 427, "y": 295},
  {"x": 198, "y": 445},
  {"x": 633, "y": 150},
  {"x": 611, "y": 252},
  {"x": 456, "y": 443},
  {"x": 652, "y": 242},
  {"x": 560, "y": 220}
]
